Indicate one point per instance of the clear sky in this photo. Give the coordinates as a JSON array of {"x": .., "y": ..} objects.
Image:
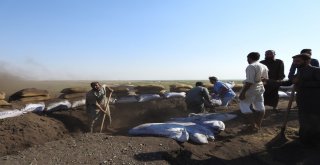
[{"x": 151, "y": 39}]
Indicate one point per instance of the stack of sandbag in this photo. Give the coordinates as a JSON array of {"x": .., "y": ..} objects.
[
  {"x": 150, "y": 89},
  {"x": 180, "y": 88},
  {"x": 3, "y": 102},
  {"x": 30, "y": 95},
  {"x": 75, "y": 95},
  {"x": 209, "y": 87},
  {"x": 121, "y": 91},
  {"x": 75, "y": 92},
  {"x": 57, "y": 105},
  {"x": 237, "y": 87},
  {"x": 124, "y": 94}
]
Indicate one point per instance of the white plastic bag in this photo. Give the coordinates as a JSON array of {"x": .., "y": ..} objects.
[
  {"x": 230, "y": 84},
  {"x": 175, "y": 95},
  {"x": 216, "y": 102},
  {"x": 148, "y": 97},
  {"x": 58, "y": 106},
  {"x": 174, "y": 131},
  {"x": 39, "y": 107},
  {"x": 196, "y": 118},
  {"x": 215, "y": 126},
  {"x": 78, "y": 103},
  {"x": 197, "y": 133},
  {"x": 9, "y": 113},
  {"x": 283, "y": 94}
]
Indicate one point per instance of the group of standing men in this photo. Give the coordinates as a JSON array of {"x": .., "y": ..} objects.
[
  {"x": 262, "y": 83},
  {"x": 261, "y": 86}
]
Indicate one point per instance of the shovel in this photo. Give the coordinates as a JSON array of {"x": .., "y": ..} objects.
[
  {"x": 284, "y": 126},
  {"x": 104, "y": 116},
  {"x": 281, "y": 137}
]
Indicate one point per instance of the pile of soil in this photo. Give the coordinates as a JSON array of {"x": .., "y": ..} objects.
[
  {"x": 61, "y": 138},
  {"x": 25, "y": 131}
]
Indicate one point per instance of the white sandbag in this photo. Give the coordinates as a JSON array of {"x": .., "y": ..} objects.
[
  {"x": 9, "y": 113},
  {"x": 289, "y": 93},
  {"x": 283, "y": 94},
  {"x": 230, "y": 84},
  {"x": 197, "y": 133},
  {"x": 213, "y": 116},
  {"x": 148, "y": 97},
  {"x": 127, "y": 99},
  {"x": 174, "y": 131},
  {"x": 286, "y": 87},
  {"x": 200, "y": 117},
  {"x": 216, "y": 102},
  {"x": 78, "y": 103},
  {"x": 215, "y": 126},
  {"x": 175, "y": 95},
  {"x": 39, "y": 107},
  {"x": 58, "y": 106}
]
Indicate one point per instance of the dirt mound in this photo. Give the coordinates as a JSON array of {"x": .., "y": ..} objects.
[{"x": 24, "y": 131}]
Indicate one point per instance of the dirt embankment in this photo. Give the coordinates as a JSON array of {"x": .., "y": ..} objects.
[
  {"x": 32, "y": 129},
  {"x": 61, "y": 138}
]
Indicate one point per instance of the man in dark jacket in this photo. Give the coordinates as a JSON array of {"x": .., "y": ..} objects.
[
  {"x": 307, "y": 85},
  {"x": 313, "y": 62},
  {"x": 276, "y": 72}
]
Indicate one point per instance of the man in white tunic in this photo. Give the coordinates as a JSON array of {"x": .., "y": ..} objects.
[{"x": 252, "y": 92}]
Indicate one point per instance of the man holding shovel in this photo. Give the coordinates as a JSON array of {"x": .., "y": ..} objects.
[
  {"x": 97, "y": 103},
  {"x": 307, "y": 85}
]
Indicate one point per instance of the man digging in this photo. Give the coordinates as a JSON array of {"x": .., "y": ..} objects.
[{"x": 96, "y": 103}]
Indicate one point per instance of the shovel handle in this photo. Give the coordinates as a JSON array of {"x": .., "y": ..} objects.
[
  {"x": 104, "y": 115},
  {"x": 284, "y": 126}
]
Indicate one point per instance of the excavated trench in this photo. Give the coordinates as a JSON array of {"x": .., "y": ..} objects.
[{"x": 19, "y": 133}]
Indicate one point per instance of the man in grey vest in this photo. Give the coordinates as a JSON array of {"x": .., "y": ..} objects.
[
  {"x": 198, "y": 98},
  {"x": 96, "y": 101}
]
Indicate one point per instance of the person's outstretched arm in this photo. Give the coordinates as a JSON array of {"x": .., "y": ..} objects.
[{"x": 292, "y": 72}]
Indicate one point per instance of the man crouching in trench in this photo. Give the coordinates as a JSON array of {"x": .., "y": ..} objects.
[{"x": 96, "y": 103}]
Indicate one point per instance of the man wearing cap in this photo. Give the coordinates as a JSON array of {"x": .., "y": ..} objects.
[
  {"x": 307, "y": 85},
  {"x": 222, "y": 91},
  {"x": 276, "y": 72},
  {"x": 313, "y": 62},
  {"x": 96, "y": 103},
  {"x": 198, "y": 98},
  {"x": 252, "y": 92}
]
